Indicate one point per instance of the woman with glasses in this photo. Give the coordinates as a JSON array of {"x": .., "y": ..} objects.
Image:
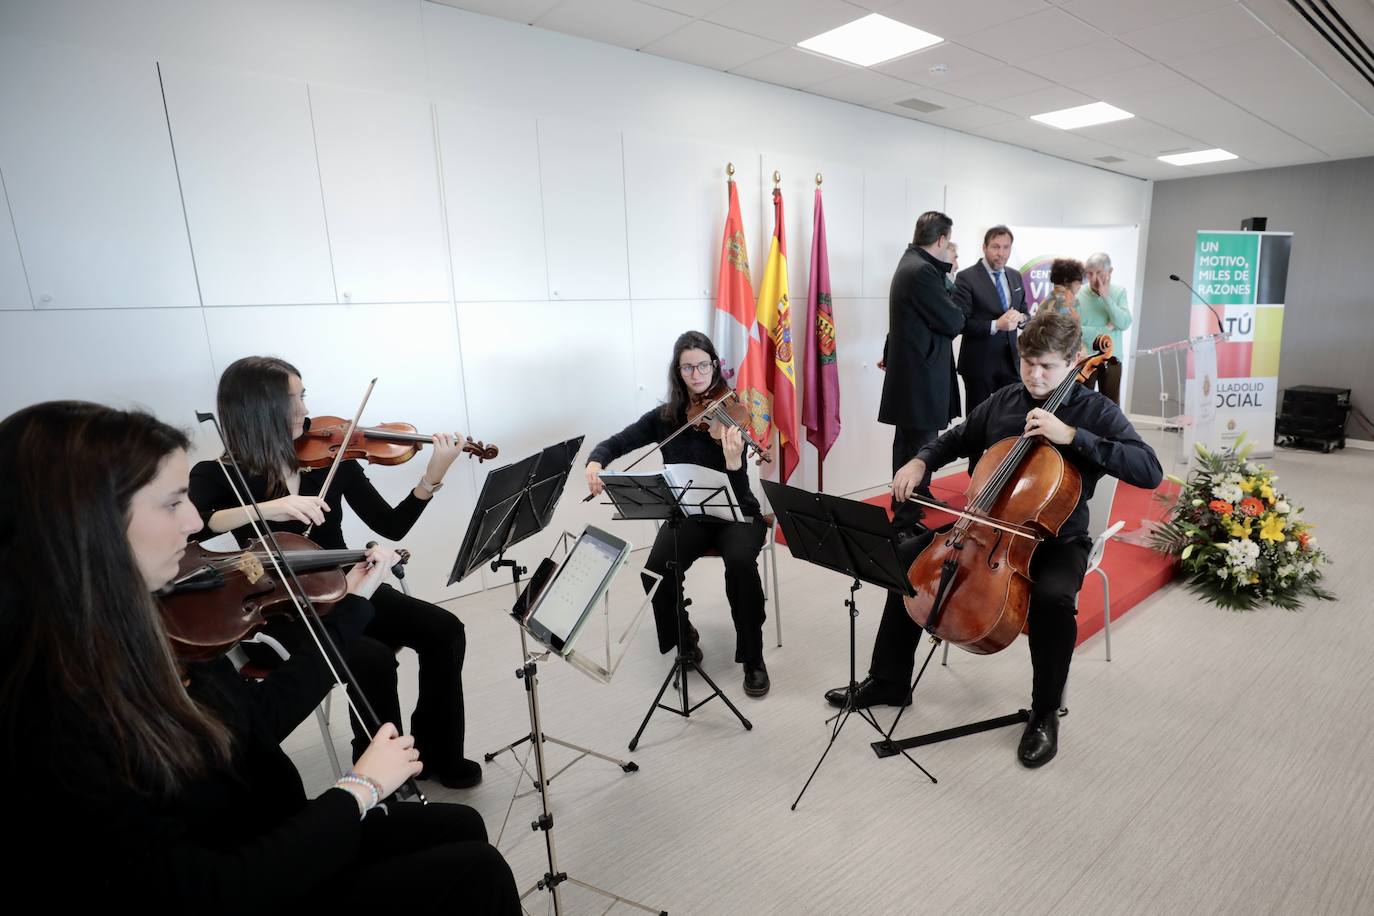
[{"x": 693, "y": 372}]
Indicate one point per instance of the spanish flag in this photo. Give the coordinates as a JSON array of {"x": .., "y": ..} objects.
[{"x": 770, "y": 390}]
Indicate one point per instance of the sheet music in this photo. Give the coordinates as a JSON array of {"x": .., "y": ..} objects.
[{"x": 717, "y": 499}]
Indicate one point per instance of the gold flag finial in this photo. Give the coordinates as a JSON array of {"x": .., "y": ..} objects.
[
  {"x": 818, "y": 179},
  {"x": 729, "y": 170},
  {"x": 776, "y": 178}
]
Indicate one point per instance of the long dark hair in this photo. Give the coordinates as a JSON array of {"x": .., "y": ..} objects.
[
  {"x": 674, "y": 409},
  {"x": 254, "y": 403},
  {"x": 80, "y": 636}
]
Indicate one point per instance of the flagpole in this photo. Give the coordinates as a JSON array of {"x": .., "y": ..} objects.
[{"x": 820, "y": 459}]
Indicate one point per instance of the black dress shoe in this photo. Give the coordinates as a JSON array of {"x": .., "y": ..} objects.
[
  {"x": 755, "y": 679},
  {"x": 1040, "y": 740},
  {"x": 871, "y": 693},
  {"x": 465, "y": 775},
  {"x": 692, "y": 648}
]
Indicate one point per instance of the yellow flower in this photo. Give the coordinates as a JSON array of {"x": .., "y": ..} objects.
[
  {"x": 1238, "y": 529},
  {"x": 1271, "y": 528},
  {"x": 1254, "y": 578},
  {"x": 1247, "y": 484},
  {"x": 1267, "y": 492}
]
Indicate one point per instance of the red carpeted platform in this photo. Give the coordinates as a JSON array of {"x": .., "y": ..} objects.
[{"x": 1134, "y": 571}]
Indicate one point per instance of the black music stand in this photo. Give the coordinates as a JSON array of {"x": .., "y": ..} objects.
[
  {"x": 652, "y": 496},
  {"x": 517, "y": 501},
  {"x": 849, "y": 537}
]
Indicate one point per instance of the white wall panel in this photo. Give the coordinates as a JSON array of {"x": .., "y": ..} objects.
[
  {"x": 91, "y": 180},
  {"x": 490, "y": 163},
  {"x": 413, "y": 352},
  {"x": 251, "y": 185},
  {"x": 887, "y": 230},
  {"x": 583, "y": 179},
  {"x": 526, "y": 394},
  {"x": 14, "y": 285},
  {"x": 379, "y": 172},
  {"x": 154, "y": 359},
  {"x": 657, "y": 325},
  {"x": 665, "y": 183}
]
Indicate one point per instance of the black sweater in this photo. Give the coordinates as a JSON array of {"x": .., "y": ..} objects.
[
  {"x": 210, "y": 492},
  {"x": 245, "y": 831},
  {"x": 692, "y": 447},
  {"x": 1105, "y": 442}
]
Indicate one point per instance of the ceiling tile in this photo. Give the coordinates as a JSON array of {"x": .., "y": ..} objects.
[
  {"x": 951, "y": 19},
  {"x": 1357, "y": 142},
  {"x": 693, "y": 8},
  {"x": 1038, "y": 34},
  {"x": 786, "y": 21},
  {"x": 1051, "y": 98},
  {"x": 1045, "y": 139},
  {"x": 1125, "y": 84},
  {"x": 1140, "y": 136},
  {"x": 794, "y": 67},
  {"x": 525, "y": 11},
  {"x": 957, "y": 60},
  {"x": 991, "y": 85},
  {"x": 1217, "y": 28},
  {"x": 709, "y": 45},
  {"x": 970, "y": 118},
  {"x": 864, "y": 87},
  {"x": 618, "y": 22},
  {"x": 1117, "y": 16},
  {"x": 1095, "y": 57}
]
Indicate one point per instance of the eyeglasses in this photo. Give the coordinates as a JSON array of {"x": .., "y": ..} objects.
[{"x": 702, "y": 368}]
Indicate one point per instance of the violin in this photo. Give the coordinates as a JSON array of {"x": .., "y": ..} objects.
[
  {"x": 387, "y": 444},
  {"x": 720, "y": 407},
  {"x": 1102, "y": 345},
  {"x": 972, "y": 581},
  {"x": 220, "y": 597}
]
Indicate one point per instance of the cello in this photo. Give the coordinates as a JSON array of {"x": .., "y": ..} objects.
[{"x": 972, "y": 582}]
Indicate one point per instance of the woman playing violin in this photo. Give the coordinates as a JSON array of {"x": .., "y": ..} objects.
[
  {"x": 261, "y": 404},
  {"x": 1094, "y": 435},
  {"x": 135, "y": 778},
  {"x": 693, "y": 377}
]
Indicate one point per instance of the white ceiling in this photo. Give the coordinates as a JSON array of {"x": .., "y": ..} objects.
[{"x": 1250, "y": 76}]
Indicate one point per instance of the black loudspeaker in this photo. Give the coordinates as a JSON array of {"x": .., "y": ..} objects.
[
  {"x": 1254, "y": 223},
  {"x": 1313, "y": 416}
]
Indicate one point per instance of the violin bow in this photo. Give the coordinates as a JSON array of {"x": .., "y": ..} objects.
[
  {"x": 1017, "y": 530},
  {"x": 333, "y": 659},
  {"x": 343, "y": 447}
]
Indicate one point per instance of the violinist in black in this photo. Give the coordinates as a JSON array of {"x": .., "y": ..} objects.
[
  {"x": 135, "y": 777},
  {"x": 1095, "y": 436},
  {"x": 693, "y": 371},
  {"x": 262, "y": 411}
]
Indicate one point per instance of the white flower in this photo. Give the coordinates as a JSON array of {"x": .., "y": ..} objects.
[
  {"x": 1282, "y": 507},
  {"x": 1291, "y": 546},
  {"x": 1230, "y": 492}
]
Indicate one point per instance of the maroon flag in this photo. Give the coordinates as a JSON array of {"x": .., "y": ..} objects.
[{"x": 821, "y": 392}]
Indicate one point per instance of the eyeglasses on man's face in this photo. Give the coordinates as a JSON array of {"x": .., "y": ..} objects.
[{"x": 702, "y": 368}]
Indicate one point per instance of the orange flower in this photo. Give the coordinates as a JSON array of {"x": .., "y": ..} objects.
[
  {"x": 1252, "y": 507},
  {"x": 1304, "y": 539},
  {"x": 1220, "y": 507}
]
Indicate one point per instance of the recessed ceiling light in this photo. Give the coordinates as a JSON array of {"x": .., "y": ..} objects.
[
  {"x": 1082, "y": 116},
  {"x": 870, "y": 40},
  {"x": 1198, "y": 157}
]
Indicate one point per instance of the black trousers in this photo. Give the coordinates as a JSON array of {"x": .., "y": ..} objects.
[
  {"x": 399, "y": 620},
  {"x": 978, "y": 388},
  {"x": 738, "y": 544},
  {"x": 1107, "y": 379},
  {"x": 1057, "y": 568},
  {"x": 435, "y": 857},
  {"x": 906, "y": 442}
]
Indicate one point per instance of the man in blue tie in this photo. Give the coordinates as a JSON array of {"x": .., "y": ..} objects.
[{"x": 993, "y": 299}]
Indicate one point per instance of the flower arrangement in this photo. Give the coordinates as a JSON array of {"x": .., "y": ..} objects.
[{"x": 1240, "y": 542}]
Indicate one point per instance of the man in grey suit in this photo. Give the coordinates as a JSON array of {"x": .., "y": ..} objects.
[{"x": 993, "y": 298}]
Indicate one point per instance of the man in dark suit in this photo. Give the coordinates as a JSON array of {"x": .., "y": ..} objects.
[
  {"x": 920, "y": 390},
  {"x": 994, "y": 302}
]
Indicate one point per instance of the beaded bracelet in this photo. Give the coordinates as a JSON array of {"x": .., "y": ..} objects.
[{"x": 372, "y": 788}]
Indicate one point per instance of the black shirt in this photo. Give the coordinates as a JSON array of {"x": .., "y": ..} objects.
[
  {"x": 693, "y": 446},
  {"x": 1105, "y": 442},
  {"x": 210, "y": 492},
  {"x": 245, "y": 828}
]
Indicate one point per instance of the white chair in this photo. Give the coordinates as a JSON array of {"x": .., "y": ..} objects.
[
  {"x": 250, "y": 670},
  {"x": 770, "y": 547}
]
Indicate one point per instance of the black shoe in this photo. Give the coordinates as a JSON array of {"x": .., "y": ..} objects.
[
  {"x": 871, "y": 693},
  {"x": 755, "y": 679},
  {"x": 1040, "y": 741},
  {"x": 465, "y": 775},
  {"x": 692, "y": 650}
]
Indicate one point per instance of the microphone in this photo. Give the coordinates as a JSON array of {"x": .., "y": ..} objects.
[{"x": 1221, "y": 328}]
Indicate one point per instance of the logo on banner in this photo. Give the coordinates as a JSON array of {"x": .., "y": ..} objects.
[{"x": 1036, "y": 274}]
